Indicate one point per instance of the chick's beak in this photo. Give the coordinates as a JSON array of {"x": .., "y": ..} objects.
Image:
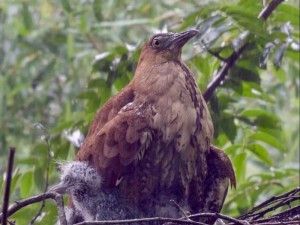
[
  {"x": 178, "y": 40},
  {"x": 59, "y": 188}
]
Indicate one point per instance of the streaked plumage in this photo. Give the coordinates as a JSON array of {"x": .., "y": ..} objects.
[{"x": 152, "y": 141}]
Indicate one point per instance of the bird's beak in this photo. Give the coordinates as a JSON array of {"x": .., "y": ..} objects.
[
  {"x": 59, "y": 188},
  {"x": 178, "y": 40}
]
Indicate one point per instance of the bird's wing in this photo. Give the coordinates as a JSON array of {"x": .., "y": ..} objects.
[
  {"x": 220, "y": 174},
  {"x": 118, "y": 136}
]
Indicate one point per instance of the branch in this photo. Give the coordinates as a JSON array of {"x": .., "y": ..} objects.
[
  {"x": 285, "y": 199},
  {"x": 220, "y": 216},
  {"x": 230, "y": 61},
  {"x": 60, "y": 209},
  {"x": 38, "y": 198},
  {"x": 265, "y": 13},
  {"x": 133, "y": 221},
  {"x": 222, "y": 73},
  {"x": 47, "y": 175},
  {"x": 7, "y": 184}
]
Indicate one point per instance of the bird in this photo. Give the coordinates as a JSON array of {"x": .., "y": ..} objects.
[
  {"x": 83, "y": 184},
  {"x": 152, "y": 140}
]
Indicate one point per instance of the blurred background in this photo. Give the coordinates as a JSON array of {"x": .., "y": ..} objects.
[{"x": 60, "y": 60}]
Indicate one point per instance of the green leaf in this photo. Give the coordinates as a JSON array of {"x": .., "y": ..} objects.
[
  {"x": 286, "y": 12},
  {"x": 66, "y": 5},
  {"x": 260, "y": 152},
  {"x": 28, "y": 161},
  {"x": 271, "y": 140},
  {"x": 97, "y": 83},
  {"x": 97, "y": 9},
  {"x": 232, "y": 149},
  {"x": 254, "y": 90},
  {"x": 263, "y": 118},
  {"x": 40, "y": 148},
  {"x": 26, "y": 184},
  {"x": 15, "y": 180},
  {"x": 240, "y": 163},
  {"x": 39, "y": 178},
  {"x": 26, "y": 14},
  {"x": 70, "y": 46},
  {"x": 228, "y": 126},
  {"x": 257, "y": 113},
  {"x": 245, "y": 18},
  {"x": 88, "y": 94}
]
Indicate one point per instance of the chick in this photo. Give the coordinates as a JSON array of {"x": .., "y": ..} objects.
[{"x": 83, "y": 184}]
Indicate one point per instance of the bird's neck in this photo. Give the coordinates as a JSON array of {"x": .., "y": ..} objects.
[{"x": 154, "y": 79}]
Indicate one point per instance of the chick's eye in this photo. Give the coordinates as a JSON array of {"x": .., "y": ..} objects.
[
  {"x": 156, "y": 43},
  {"x": 67, "y": 179}
]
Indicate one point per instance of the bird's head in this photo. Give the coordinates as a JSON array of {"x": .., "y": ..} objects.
[
  {"x": 166, "y": 46},
  {"x": 77, "y": 178}
]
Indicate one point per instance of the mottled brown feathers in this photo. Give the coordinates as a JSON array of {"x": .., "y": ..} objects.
[{"x": 152, "y": 140}]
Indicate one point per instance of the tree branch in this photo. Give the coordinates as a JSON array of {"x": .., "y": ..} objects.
[
  {"x": 134, "y": 221},
  {"x": 47, "y": 140},
  {"x": 220, "y": 216},
  {"x": 7, "y": 184},
  {"x": 289, "y": 216},
  {"x": 285, "y": 199},
  {"x": 230, "y": 61},
  {"x": 265, "y": 13},
  {"x": 38, "y": 198},
  {"x": 60, "y": 209},
  {"x": 222, "y": 73}
]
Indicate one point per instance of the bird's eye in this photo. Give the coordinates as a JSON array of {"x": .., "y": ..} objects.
[
  {"x": 156, "y": 43},
  {"x": 67, "y": 179}
]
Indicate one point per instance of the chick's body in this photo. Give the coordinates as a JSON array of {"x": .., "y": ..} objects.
[{"x": 82, "y": 183}]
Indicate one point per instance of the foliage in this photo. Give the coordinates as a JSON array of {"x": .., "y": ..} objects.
[{"x": 61, "y": 60}]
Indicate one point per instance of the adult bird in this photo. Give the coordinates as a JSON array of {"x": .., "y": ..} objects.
[{"x": 152, "y": 140}]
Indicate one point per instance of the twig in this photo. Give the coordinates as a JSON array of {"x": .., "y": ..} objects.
[
  {"x": 35, "y": 199},
  {"x": 265, "y": 13},
  {"x": 60, "y": 209},
  {"x": 284, "y": 197},
  {"x": 230, "y": 61},
  {"x": 282, "y": 215},
  {"x": 220, "y": 216},
  {"x": 47, "y": 172},
  {"x": 292, "y": 211},
  {"x": 280, "y": 223},
  {"x": 263, "y": 212},
  {"x": 133, "y": 221},
  {"x": 7, "y": 185}
]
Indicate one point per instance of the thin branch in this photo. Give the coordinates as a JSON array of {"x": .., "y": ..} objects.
[
  {"x": 265, "y": 13},
  {"x": 47, "y": 176},
  {"x": 285, "y": 198},
  {"x": 230, "y": 61},
  {"x": 220, "y": 216},
  {"x": 9, "y": 170},
  {"x": 35, "y": 199},
  {"x": 291, "y": 213},
  {"x": 60, "y": 209},
  {"x": 133, "y": 221},
  {"x": 280, "y": 223}
]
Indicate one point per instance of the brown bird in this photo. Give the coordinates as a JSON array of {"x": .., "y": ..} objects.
[{"x": 152, "y": 140}]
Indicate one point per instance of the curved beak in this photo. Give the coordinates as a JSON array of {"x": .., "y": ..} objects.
[
  {"x": 178, "y": 40},
  {"x": 59, "y": 188}
]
